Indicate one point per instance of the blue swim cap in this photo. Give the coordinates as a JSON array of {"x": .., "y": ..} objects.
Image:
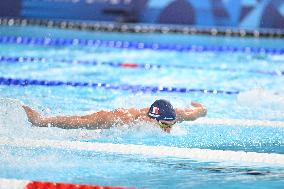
[{"x": 162, "y": 110}]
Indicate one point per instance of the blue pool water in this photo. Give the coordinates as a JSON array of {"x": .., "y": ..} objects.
[{"x": 252, "y": 93}]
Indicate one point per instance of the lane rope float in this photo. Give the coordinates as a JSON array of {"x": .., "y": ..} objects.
[
  {"x": 26, "y": 184},
  {"x": 143, "y": 28},
  {"x": 135, "y": 45},
  {"x": 125, "y": 87},
  {"x": 28, "y": 59}
]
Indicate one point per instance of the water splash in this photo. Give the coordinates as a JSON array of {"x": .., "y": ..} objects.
[
  {"x": 261, "y": 98},
  {"x": 12, "y": 117},
  {"x": 14, "y": 123}
]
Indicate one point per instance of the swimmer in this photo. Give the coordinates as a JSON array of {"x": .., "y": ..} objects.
[{"x": 160, "y": 114}]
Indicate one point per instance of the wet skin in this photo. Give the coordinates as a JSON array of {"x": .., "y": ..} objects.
[{"x": 106, "y": 119}]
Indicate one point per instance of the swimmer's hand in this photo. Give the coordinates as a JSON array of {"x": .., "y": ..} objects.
[
  {"x": 200, "y": 108},
  {"x": 33, "y": 116},
  {"x": 192, "y": 113}
]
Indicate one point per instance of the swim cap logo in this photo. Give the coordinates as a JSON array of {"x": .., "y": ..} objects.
[{"x": 155, "y": 110}]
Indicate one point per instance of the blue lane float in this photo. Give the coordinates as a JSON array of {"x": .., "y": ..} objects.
[
  {"x": 125, "y": 87},
  {"x": 134, "y": 45},
  {"x": 20, "y": 59}
]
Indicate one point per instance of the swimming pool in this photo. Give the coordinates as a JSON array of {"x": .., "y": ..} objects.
[{"x": 78, "y": 72}]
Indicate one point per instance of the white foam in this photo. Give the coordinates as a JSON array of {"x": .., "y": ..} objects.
[
  {"x": 12, "y": 184},
  {"x": 10, "y": 108},
  {"x": 237, "y": 122},
  {"x": 261, "y": 98},
  {"x": 156, "y": 151},
  {"x": 12, "y": 116},
  {"x": 14, "y": 123}
]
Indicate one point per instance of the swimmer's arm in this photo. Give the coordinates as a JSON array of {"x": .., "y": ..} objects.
[
  {"x": 98, "y": 120},
  {"x": 65, "y": 122},
  {"x": 191, "y": 114}
]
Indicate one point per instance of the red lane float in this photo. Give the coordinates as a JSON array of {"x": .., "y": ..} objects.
[
  {"x": 129, "y": 65},
  {"x": 52, "y": 185},
  {"x": 25, "y": 184}
]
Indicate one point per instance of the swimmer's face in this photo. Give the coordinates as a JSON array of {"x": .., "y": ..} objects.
[{"x": 166, "y": 125}]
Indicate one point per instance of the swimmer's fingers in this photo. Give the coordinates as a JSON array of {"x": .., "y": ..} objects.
[
  {"x": 199, "y": 108},
  {"x": 196, "y": 104},
  {"x": 33, "y": 116},
  {"x": 28, "y": 109}
]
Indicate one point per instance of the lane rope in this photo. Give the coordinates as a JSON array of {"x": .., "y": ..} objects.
[
  {"x": 134, "y": 45},
  {"x": 28, "y": 59},
  {"x": 125, "y": 87},
  {"x": 153, "y": 151},
  {"x": 143, "y": 28}
]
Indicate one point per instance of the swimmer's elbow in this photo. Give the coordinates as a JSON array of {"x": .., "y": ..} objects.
[{"x": 100, "y": 120}]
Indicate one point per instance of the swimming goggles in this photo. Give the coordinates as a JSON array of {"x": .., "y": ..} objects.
[{"x": 164, "y": 125}]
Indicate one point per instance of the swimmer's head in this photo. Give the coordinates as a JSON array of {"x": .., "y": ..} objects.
[{"x": 163, "y": 112}]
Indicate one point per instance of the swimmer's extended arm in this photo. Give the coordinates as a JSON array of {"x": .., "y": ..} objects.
[
  {"x": 191, "y": 114},
  {"x": 98, "y": 120},
  {"x": 107, "y": 119}
]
